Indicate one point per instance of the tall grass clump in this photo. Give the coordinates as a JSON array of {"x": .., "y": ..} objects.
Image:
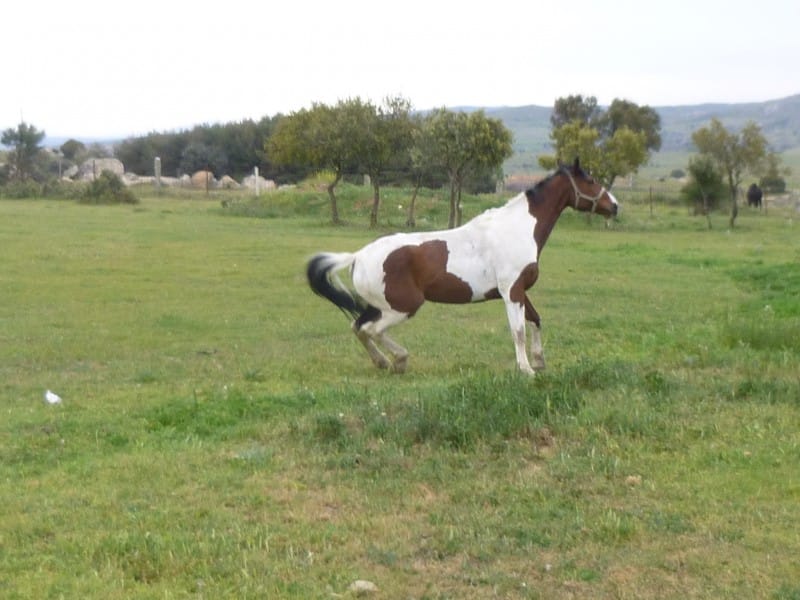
[
  {"x": 480, "y": 408},
  {"x": 484, "y": 408}
]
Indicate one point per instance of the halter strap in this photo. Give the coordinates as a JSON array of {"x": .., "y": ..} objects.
[{"x": 580, "y": 195}]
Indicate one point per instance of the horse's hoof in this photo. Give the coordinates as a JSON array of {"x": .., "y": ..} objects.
[
  {"x": 382, "y": 364},
  {"x": 400, "y": 365}
]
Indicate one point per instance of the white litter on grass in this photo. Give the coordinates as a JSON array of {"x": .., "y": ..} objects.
[
  {"x": 52, "y": 398},
  {"x": 361, "y": 587}
]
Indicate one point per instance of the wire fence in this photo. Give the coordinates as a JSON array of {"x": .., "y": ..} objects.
[{"x": 668, "y": 193}]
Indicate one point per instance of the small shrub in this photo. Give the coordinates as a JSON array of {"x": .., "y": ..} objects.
[
  {"x": 17, "y": 190},
  {"x": 108, "y": 188},
  {"x": 63, "y": 190}
]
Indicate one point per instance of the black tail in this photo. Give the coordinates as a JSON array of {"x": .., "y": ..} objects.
[{"x": 319, "y": 271}]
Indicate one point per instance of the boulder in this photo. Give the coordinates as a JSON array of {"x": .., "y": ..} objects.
[
  {"x": 227, "y": 182},
  {"x": 263, "y": 184},
  {"x": 92, "y": 168},
  {"x": 201, "y": 179}
]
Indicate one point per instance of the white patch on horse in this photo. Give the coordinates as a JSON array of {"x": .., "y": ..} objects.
[{"x": 490, "y": 251}]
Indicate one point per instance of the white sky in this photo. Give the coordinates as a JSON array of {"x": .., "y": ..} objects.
[{"x": 87, "y": 68}]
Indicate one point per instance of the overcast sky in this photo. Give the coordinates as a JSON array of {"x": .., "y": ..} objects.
[{"x": 103, "y": 69}]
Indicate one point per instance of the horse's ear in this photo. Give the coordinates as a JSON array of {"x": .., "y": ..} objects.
[{"x": 576, "y": 166}]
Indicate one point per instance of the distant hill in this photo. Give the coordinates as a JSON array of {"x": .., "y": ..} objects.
[{"x": 779, "y": 121}]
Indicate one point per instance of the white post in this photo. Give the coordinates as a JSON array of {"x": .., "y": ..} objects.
[
  {"x": 258, "y": 187},
  {"x": 157, "y": 171}
]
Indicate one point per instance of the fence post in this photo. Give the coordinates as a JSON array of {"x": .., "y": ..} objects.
[
  {"x": 255, "y": 174},
  {"x": 157, "y": 171}
]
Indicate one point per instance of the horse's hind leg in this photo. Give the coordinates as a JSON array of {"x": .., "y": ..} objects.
[
  {"x": 378, "y": 358},
  {"x": 370, "y": 329},
  {"x": 399, "y": 354}
]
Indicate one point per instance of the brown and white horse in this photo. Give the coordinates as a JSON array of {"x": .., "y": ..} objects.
[{"x": 495, "y": 255}]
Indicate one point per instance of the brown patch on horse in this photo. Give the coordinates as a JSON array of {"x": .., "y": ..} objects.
[
  {"x": 525, "y": 281},
  {"x": 546, "y": 214},
  {"x": 413, "y": 274}
]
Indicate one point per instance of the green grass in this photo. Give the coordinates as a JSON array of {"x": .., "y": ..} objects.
[{"x": 223, "y": 435}]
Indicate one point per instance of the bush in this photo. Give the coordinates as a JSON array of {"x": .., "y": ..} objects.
[
  {"x": 108, "y": 188},
  {"x": 773, "y": 184},
  {"x": 18, "y": 190}
]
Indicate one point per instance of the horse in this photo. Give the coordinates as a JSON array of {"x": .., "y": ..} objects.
[
  {"x": 754, "y": 195},
  {"x": 493, "y": 256}
]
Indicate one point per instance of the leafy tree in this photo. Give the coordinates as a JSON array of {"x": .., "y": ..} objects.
[
  {"x": 450, "y": 151},
  {"x": 423, "y": 162},
  {"x": 574, "y": 138},
  {"x": 24, "y": 142},
  {"x": 606, "y": 159},
  {"x": 734, "y": 154},
  {"x": 461, "y": 144},
  {"x": 320, "y": 137},
  {"x": 610, "y": 143},
  {"x": 574, "y": 108},
  {"x": 382, "y": 137},
  {"x": 623, "y": 113},
  {"x": 73, "y": 150},
  {"x": 705, "y": 183}
]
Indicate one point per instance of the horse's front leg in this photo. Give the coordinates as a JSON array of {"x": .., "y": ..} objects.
[
  {"x": 537, "y": 352},
  {"x": 516, "y": 321}
]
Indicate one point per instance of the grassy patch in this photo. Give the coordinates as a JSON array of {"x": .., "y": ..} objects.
[{"x": 222, "y": 433}]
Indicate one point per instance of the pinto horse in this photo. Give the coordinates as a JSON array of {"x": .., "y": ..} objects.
[{"x": 493, "y": 256}]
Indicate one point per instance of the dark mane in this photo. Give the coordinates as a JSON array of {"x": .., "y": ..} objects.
[{"x": 532, "y": 193}]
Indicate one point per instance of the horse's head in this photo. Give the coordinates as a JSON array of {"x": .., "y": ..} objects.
[{"x": 587, "y": 194}]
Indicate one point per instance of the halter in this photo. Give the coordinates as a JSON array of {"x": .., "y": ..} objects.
[{"x": 579, "y": 195}]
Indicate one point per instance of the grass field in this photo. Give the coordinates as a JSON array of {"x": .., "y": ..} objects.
[{"x": 223, "y": 435}]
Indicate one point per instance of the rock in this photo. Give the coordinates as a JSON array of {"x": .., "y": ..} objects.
[
  {"x": 201, "y": 179},
  {"x": 263, "y": 184},
  {"x": 134, "y": 179},
  {"x": 92, "y": 168},
  {"x": 227, "y": 182}
]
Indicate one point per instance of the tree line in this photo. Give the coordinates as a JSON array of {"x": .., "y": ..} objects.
[{"x": 391, "y": 144}]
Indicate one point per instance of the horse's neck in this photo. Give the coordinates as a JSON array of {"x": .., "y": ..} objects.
[{"x": 546, "y": 214}]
